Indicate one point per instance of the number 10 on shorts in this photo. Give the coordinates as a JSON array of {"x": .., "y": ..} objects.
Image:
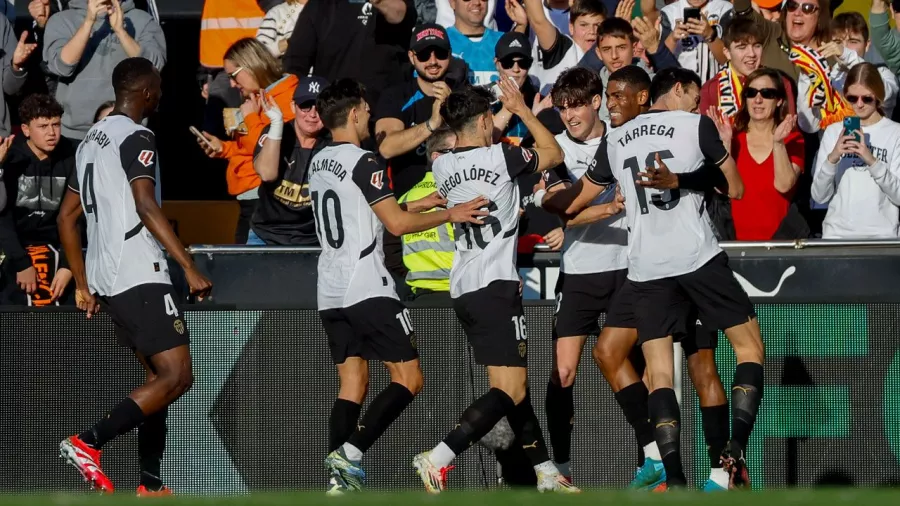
[
  {"x": 405, "y": 321},
  {"x": 519, "y": 324}
]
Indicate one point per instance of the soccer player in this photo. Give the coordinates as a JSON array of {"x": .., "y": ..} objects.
[
  {"x": 484, "y": 282},
  {"x": 126, "y": 272},
  {"x": 358, "y": 304},
  {"x": 695, "y": 270}
]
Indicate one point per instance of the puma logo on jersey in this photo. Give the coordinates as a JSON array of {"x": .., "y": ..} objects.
[
  {"x": 377, "y": 179},
  {"x": 146, "y": 157}
]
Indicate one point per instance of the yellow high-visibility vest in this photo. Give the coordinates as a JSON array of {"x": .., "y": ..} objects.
[{"x": 428, "y": 255}]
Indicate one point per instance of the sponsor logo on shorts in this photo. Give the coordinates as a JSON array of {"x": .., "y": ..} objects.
[
  {"x": 179, "y": 326},
  {"x": 523, "y": 349}
]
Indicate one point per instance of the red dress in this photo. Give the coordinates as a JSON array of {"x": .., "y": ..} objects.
[{"x": 758, "y": 215}]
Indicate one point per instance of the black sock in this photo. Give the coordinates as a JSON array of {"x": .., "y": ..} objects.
[
  {"x": 151, "y": 446},
  {"x": 715, "y": 431},
  {"x": 560, "y": 407},
  {"x": 633, "y": 401},
  {"x": 666, "y": 419},
  {"x": 527, "y": 429},
  {"x": 380, "y": 415},
  {"x": 478, "y": 419},
  {"x": 342, "y": 423},
  {"x": 124, "y": 417},
  {"x": 746, "y": 395}
]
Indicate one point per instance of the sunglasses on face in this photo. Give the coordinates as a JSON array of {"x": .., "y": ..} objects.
[
  {"x": 866, "y": 99},
  {"x": 237, "y": 71},
  {"x": 425, "y": 54},
  {"x": 306, "y": 106},
  {"x": 767, "y": 93},
  {"x": 805, "y": 8},
  {"x": 524, "y": 63}
]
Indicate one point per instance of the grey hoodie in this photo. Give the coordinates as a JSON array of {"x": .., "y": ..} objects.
[
  {"x": 85, "y": 86},
  {"x": 11, "y": 82}
]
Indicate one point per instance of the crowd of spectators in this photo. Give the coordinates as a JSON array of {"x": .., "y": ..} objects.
[{"x": 780, "y": 79}]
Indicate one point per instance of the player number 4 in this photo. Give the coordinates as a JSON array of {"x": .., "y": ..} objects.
[
  {"x": 519, "y": 324},
  {"x": 405, "y": 321},
  {"x": 171, "y": 308}
]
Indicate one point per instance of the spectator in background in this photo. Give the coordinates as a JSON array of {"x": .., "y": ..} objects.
[
  {"x": 12, "y": 71},
  {"x": 36, "y": 166},
  {"x": 886, "y": 39},
  {"x": 446, "y": 17},
  {"x": 697, "y": 43},
  {"x": 278, "y": 26},
  {"x": 556, "y": 50},
  {"x": 284, "y": 216},
  {"x": 472, "y": 42},
  {"x": 104, "y": 110},
  {"x": 614, "y": 50},
  {"x": 774, "y": 55},
  {"x": 850, "y": 30},
  {"x": 428, "y": 255},
  {"x": 858, "y": 175},
  {"x": 366, "y": 41},
  {"x": 84, "y": 43},
  {"x": 743, "y": 48},
  {"x": 254, "y": 72},
  {"x": 512, "y": 59},
  {"x": 769, "y": 153}
]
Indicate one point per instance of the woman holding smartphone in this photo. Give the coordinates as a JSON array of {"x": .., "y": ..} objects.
[
  {"x": 769, "y": 152},
  {"x": 857, "y": 173}
]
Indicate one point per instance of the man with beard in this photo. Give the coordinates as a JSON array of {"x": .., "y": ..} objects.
[
  {"x": 743, "y": 48},
  {"x": 406, "y": 116}
]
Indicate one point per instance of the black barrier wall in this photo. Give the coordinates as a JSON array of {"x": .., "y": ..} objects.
[{"x": 257, "y": 416}]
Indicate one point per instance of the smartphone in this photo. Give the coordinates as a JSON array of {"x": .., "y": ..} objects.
[
  {"x": 200, "y": 136},
  {"x": 851, "y": 125},
  {"x": 495, "y": 90},
  {"x": 691, "y": 13}
]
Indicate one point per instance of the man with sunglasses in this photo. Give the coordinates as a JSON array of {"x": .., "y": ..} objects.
[
  {"x": 406, "y": 116},
  {"x": 512, "y": 58}
]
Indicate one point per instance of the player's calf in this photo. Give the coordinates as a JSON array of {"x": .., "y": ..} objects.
[{"x": 560, "y": 403}]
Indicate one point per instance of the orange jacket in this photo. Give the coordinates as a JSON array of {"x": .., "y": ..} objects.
[
  {"x": 223, "y": 23},
  {"x": 240, "y": 174}
]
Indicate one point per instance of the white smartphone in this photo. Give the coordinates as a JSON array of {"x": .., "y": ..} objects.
[{"x": 201, "y": 137}]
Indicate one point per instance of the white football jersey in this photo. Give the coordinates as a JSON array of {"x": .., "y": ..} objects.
[
  {"x": 484, "y": 253},
  {"x": 670, "y": 232},
  {"x": 121, "y": 252},
  {"x": 595, "y": 247},
  {"x": 345, "y": 181}
]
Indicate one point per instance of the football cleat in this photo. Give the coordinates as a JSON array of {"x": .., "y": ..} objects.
[
  {"x": 87, "y": 461},
  {"x": 143, "y": 491},
  {"x": 336, "y": 485},
  {"x": 434, "y": 478},
  {"x": 555, "y": 482},
  {"x": 712, "y": 486},
  {"x": 650, "y": 476},
  {"x": 348, "y": 474},
  {"x": 736, "y": 466}
]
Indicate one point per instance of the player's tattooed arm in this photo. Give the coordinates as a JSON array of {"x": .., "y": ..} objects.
[
  {"x": 156, "y": 222},
  {"x": 70, "y": 237}
]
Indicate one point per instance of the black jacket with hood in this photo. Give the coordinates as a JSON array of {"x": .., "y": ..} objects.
[{"x": 34, "y": 190}]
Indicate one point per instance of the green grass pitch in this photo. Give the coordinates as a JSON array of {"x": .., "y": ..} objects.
[{"x": 819, "y": 497}]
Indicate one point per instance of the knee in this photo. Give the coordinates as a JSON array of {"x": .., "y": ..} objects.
[
  {"x": 566, "y": 376},
  {"x": 354, "y": 387},
  {"x": 178, "y": 382},
  {"x": 606, "y": 355},
  {"x": 658, "y": 379},
  {"x": 411, "y": 379}
]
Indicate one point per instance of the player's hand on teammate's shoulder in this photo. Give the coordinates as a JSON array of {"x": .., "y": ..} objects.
[
  {"x": 512, "y": 98},
  {"x": 470, "y": 212},
  {"x": 86, "y": 301},
  {"x": 659, "y": 177},
  {"x": 200, "y": 286}
]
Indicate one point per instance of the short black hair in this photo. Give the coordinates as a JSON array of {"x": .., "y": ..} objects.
[
  {"x": 336, "y": 100},
  {"x": 632, "y": 75},
  {"x": 438, "y": 140},
  {"x": 131, "y": 74},
  {"x": 666, "y": 79},
  {"x": 37, "y": 106},
  {"x": 587, "y": 8},
  {"x": 463, "y": 106},
  {"x": 615, "y": 27},
  {"x": 850, "y": 22},
  {"x": 575, "y": 87}
]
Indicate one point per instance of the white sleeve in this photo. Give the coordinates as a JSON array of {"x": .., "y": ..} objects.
[
  {"x": 822, "y": 189},
  {"x": 887, "y": 175},
  {"x": 850, "y": 59},
  {"x": 808, "y": 118}
]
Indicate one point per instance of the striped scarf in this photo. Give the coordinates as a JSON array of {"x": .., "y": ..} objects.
[
  {"x": 730, "y": 88},
  {"x": 821, "y": 95}
]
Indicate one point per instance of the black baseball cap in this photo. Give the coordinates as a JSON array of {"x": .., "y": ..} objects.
[
  {"x": 429, "y": 35},
  {"x": 308, "y": 89},
  {"x": 513, "y": 44}
]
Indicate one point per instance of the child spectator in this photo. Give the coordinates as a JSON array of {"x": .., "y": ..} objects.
[{"x": 850, "y": 30}]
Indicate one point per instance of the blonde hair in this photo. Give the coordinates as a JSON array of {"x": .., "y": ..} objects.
[
  {"x": 866, "y": 74},
  {"x": 251, "y": 55}
]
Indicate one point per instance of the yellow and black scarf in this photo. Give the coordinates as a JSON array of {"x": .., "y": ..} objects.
[{"x": 821, "y": 95}]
